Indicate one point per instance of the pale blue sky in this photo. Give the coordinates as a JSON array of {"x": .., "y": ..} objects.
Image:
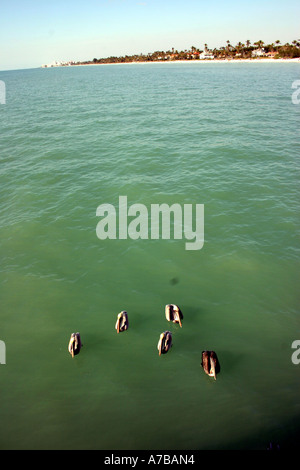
[{"x": 33, "y": 32}]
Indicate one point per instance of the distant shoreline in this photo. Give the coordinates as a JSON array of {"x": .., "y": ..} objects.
[
  {"x": 189, "y": 61},
  {"x": 257, "y": 52}
]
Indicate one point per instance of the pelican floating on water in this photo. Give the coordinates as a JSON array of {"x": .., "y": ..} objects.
[
  {"x": 122, "y": 322},
  {"x": 74, "y": 344},
  {"x": 210, "y": 363},
  {"x": 165, "y": 342},
  {"x": 174, "y": 314}
]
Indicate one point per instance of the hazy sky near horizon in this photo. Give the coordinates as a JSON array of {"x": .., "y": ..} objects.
[{"x": 34, "y": 32}]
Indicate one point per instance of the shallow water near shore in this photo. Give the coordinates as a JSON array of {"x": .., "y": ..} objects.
[{"x": 74, "y": 138}]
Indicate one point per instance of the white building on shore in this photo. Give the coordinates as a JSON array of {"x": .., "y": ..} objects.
[
  {"x": 258, "y": 52},
  {"x": 58, "y": 64},
  {"x": 206, "y": 55}
]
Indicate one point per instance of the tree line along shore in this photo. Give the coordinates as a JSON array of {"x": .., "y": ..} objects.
[{"x": 246, "y": 50}]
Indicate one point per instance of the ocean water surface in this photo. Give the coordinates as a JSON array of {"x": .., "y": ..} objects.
[{"x": 223, "y": 135}]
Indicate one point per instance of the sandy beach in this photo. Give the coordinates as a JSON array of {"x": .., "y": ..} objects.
[
  {"x": 197, "y": 61},
  {"x": 256, "y": 61}
]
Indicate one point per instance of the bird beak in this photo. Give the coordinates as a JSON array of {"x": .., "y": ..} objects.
[
  {"x": 160, "y": 344},
  {"x": 212, "y": 370},
  {"x": 72, "y": 349}
]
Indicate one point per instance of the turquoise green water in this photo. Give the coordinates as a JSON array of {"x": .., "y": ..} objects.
[{"x": 222, "y": 135}]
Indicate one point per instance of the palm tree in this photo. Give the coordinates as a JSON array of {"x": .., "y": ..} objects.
[
  {"x": 222, "y": 51},
  {"x": 259, "y": 44},
  {"x": 239, "y": 47},
  {"x": 272, "y": 47},
  {"x": 228, "y": 46}
]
